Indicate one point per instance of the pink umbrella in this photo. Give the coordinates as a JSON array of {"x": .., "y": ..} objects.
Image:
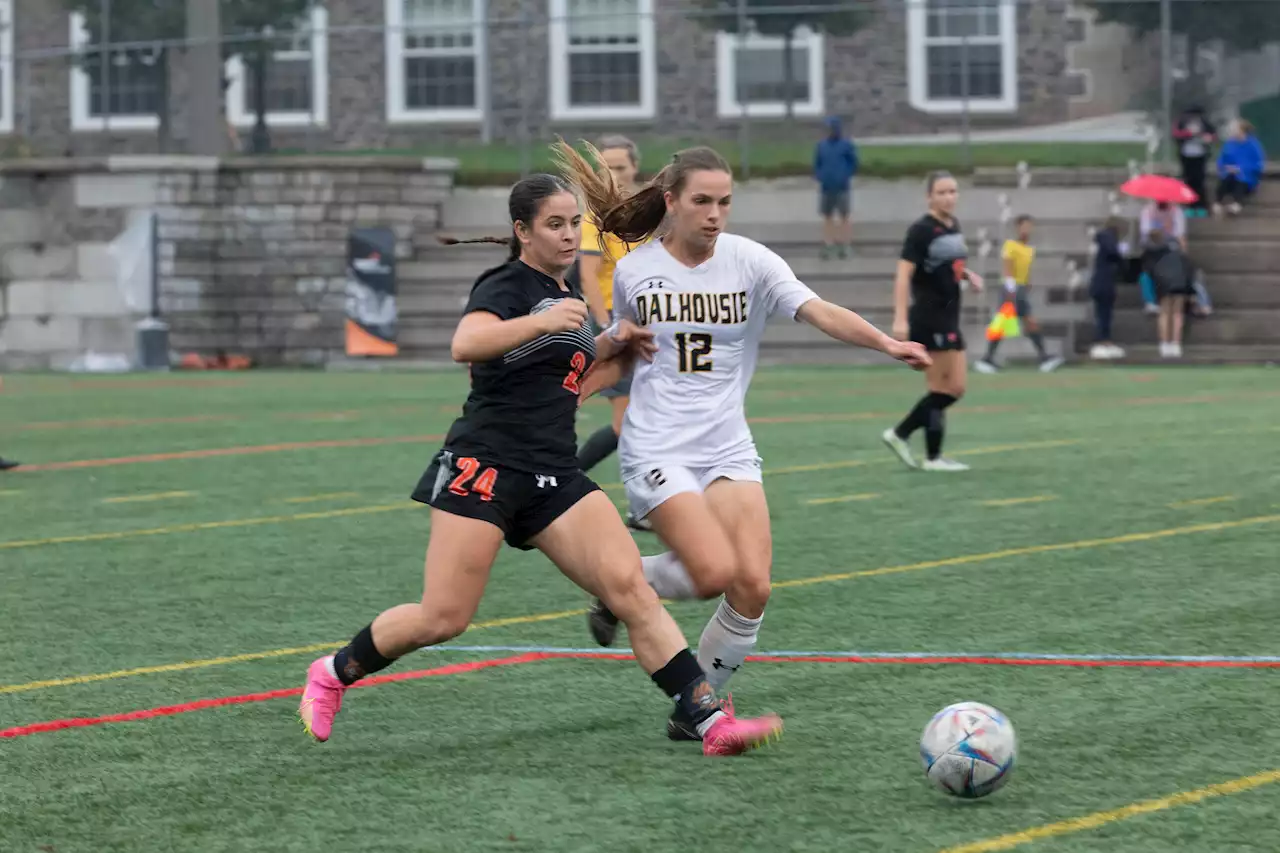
[{"x": 1159, "y": 188}]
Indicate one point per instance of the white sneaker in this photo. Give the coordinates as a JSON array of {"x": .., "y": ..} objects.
[
  {"x": 1175, "y": 350},
  {"x": 900, "y": 448},
  {"x": 1115, "y": 352},
  {"x": 1151, "y": 308},
  {"x": 1099, "y": 352},
  {"x": 1166, "y": 351},
  {"x": 1051, "y": 364},
  {"x": 984, "y": 366},
  {"x": 942, "y": 463}
]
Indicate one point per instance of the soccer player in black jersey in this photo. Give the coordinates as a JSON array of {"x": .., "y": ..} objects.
[
  {"x": 931, "y": 272},
  {"x": 509, "y": 469}
]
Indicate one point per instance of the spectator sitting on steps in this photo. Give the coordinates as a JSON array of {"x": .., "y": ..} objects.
[
  {"x": 1240, "y": 165},
  {"x": 1195, "y": 136},
  {"x": 835, "y": 162}
]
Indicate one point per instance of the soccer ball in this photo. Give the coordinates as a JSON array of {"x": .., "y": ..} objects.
[{"x": 968, "y": 750}]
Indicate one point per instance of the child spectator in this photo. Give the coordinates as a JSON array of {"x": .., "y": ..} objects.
[{"x": 1107, "y": 268}]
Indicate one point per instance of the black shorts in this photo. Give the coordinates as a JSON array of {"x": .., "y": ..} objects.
[
  {"x": 518, "y": 503},
  {"x": 937, "y": 331}
]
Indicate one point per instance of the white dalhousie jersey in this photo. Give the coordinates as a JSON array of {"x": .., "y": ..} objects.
[{"x": 687, "y": 406}]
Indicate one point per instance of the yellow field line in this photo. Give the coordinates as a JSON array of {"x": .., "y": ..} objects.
[
  {"x": 1097, "y": 819},
  {"x": 1034, "y": 499},
  {"x": 184, "y": 666},
  {"x": 1083, "y": 544},
  {"x": 205, "y": 525},
  {"x": 158, "y": 496},
  {"x": 1220, "y": 499},
  {"x": 331, "y": 496},
  {"x": 868, "y": 496},
  {"x": 965, "y": 559},
  {"x": 8, "y": 493}
]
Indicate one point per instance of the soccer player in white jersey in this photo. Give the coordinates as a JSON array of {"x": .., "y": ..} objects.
[{"x": 688, "y": 458}]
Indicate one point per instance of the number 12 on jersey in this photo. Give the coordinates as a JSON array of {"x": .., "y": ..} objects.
[{"x": 692, "y": 349}]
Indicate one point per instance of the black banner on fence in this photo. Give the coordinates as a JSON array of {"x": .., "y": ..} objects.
[{"x": 371, "y": 292}]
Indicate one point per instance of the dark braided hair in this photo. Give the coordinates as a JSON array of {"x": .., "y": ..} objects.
[{"x": 523, "y": 205}]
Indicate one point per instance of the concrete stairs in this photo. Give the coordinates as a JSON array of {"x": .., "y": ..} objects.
[
  {"x": 1240, "y": 258},
  {"x": 433, "y": 289}
]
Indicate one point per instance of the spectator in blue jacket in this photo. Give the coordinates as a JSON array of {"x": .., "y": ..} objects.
[
  {"x": 835, "y": 162},
  {"x": 1240, "y": 166}
]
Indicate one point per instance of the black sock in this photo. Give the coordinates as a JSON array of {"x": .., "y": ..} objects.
[
  {"x": 359, "y": 658},
  {"x": 597, "y": 448},
  {"x": 1038, "y": 340},
  {"x": 992, "y": 346},
  {"x": 684, "y": 681},
  {"x": 916, "y": 419},
  {"x": 936, "y": 428}
]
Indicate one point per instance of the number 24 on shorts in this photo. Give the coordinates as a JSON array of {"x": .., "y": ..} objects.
[{"x": 462, "y": 484}]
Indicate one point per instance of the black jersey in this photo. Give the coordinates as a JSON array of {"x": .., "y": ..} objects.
[
  {"x": 939, "y": 253},
  {"x": 520, "y": 412}
]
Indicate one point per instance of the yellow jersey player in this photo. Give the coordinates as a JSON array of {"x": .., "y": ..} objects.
[
  {"x": 1018, "y": 255},
  {"x": 597, "y": 259}
]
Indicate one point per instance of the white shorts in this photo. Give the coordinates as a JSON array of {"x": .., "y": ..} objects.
[{"x": 659, "y": 483}]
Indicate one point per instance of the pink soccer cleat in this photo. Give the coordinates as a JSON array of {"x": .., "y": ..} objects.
[
  {"x": 730, "y": 735},
  {"x": 321, "y": 700}
]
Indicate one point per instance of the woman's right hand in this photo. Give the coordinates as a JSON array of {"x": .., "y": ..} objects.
[
  {"x": 565, "y": 316},
  {"x": 900, "y": 329}
]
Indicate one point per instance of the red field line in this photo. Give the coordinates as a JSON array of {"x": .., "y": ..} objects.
[
  {"x": 203, "y": 704},
  {"x": 247, "y": 450},
  {"x": 103, "y": 423},
  {"x": 531, "y": 657}
]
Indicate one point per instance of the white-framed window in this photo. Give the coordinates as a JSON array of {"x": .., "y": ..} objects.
[
  {"x": 750, "y": 71},
  {"x": 130, "y": 100},
  {"x": 297, "y": 79},
  {"x": 436, "y": 60},
  {"x": 603, "y": 64},
  {"x": 946, "y": 37},
  {"x": 6, "y": 66}
]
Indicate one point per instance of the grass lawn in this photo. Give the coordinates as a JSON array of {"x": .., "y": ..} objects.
[
  {"x": 481, "y": 165},
  {"x": 1109, "y": 513}
]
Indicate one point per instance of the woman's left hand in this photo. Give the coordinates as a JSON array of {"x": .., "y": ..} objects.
[
  {"x": 912, "y": 354},
  {"x": 975, "y": 281},
  {"x": 635, "y": 338}
]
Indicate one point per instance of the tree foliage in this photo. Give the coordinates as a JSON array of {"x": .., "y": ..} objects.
[{"x": 1240, "y": 24}]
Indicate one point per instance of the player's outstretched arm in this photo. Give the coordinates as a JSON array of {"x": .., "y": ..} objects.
[
  {"x": 604, "y": 374},
  {"x": 845, "y": 325},
  {"x": 482, "y": 336}
]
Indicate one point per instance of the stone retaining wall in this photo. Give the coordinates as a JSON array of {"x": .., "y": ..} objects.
[{"x": 251, "y": 252}]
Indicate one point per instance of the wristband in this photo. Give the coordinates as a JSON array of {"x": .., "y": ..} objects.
[
  {"x": 612, "y": 332},
  {"x": 1010, "y": 284}
]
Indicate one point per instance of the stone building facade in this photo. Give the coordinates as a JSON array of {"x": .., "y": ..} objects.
[{"x": 379, "y": 74}]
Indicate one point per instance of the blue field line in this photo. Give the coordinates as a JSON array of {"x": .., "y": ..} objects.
[{"x": 872, "y": 655}]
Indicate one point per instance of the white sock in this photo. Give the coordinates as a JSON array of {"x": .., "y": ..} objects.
[
  {"x": 668, "y": 577},
  {"x": 705, "y": 726},
  {"x": 726, "y": 641},
  {"x": 328, "y": 665}
]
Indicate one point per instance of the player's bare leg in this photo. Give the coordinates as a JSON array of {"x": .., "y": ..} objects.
[
  {"x": 460, "y": 554},
  {"x": 606, "y": 563}
]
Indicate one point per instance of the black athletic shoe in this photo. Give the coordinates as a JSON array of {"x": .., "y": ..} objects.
[
  {"x": 6, "y": 464},
  {"x": 680, "y": 727},
  {"x": 602, "y": 623}
]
